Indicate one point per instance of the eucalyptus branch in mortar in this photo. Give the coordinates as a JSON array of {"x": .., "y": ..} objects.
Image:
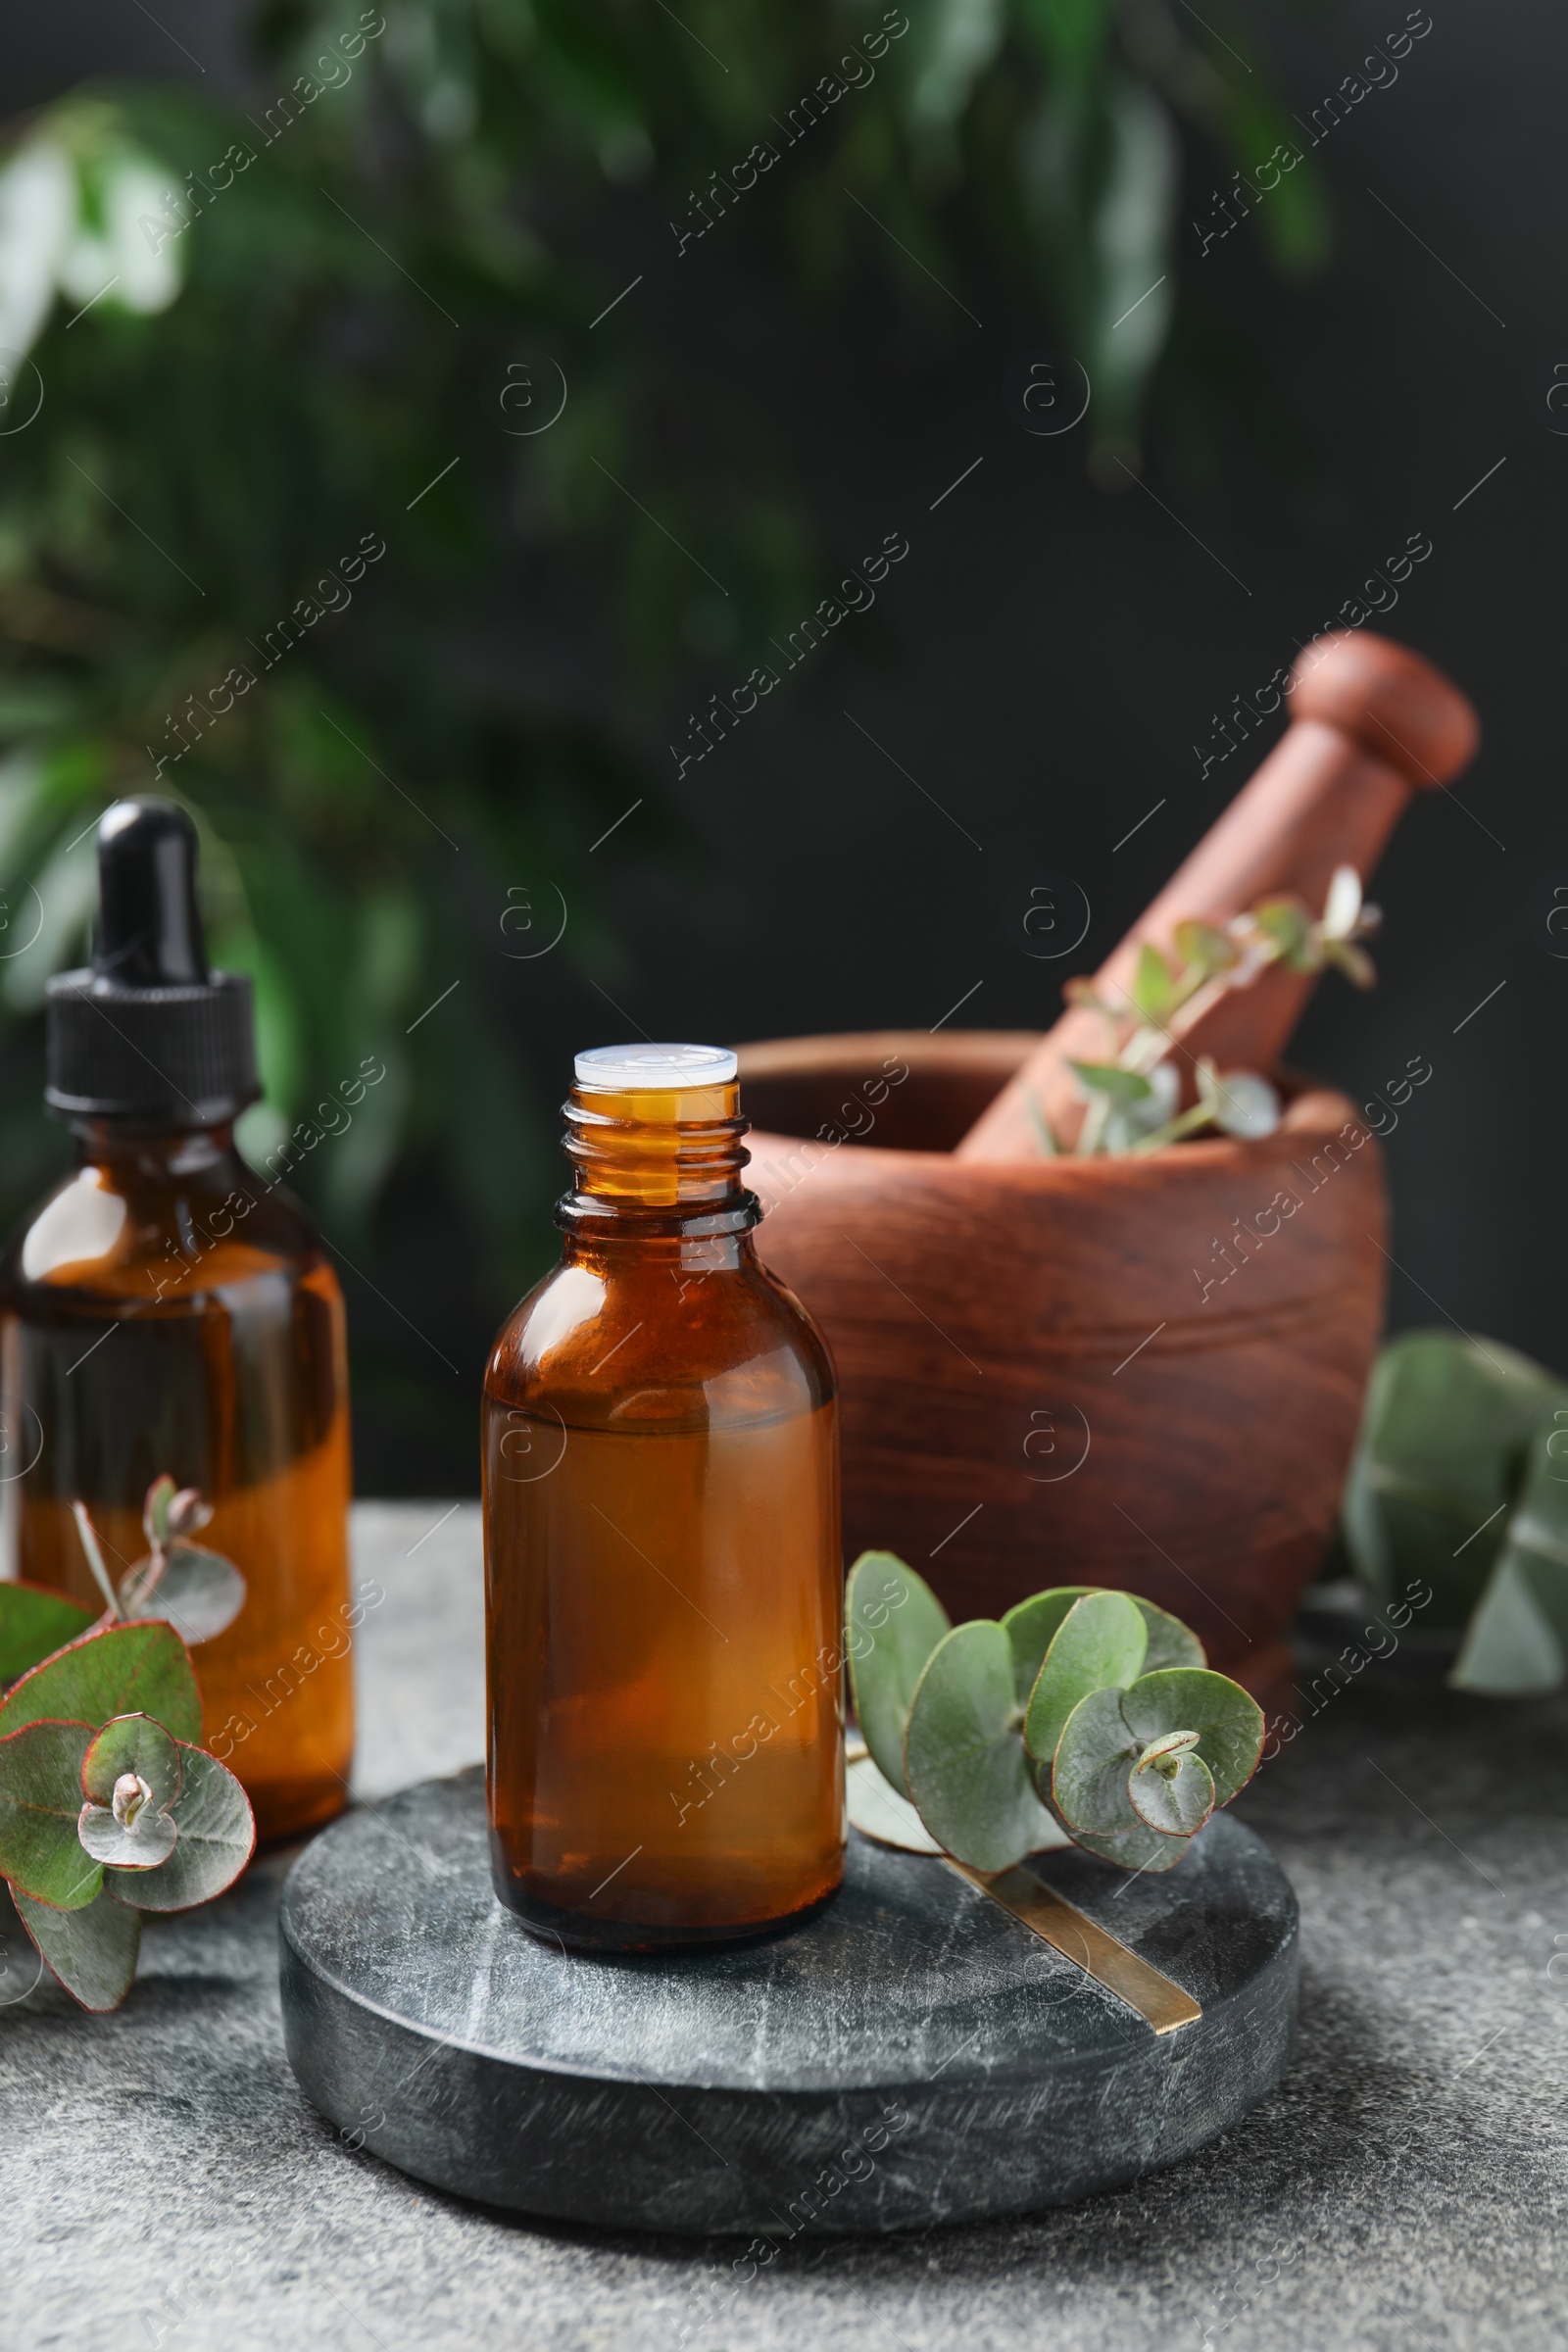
[
  {"x": 1082, "y": 1717},
  {"x": 1133, "y": 1097}
]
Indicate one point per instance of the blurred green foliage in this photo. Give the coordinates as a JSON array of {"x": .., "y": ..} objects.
[{"x": 278, "y": 356}]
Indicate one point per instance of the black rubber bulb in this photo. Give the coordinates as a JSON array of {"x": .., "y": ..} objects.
[{"x": 149, "y": 928}]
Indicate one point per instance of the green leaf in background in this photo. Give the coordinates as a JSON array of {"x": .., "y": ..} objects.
[
  {"x": 1511, "y": 1649},
  {"x": 40, "y": 1801},
  {"x": 124, "y": 1670},
  {"x": 1205, "y": 950},
  {"x": 217, "y": 1839},
  {"x": 1227, "y": 1721},
  {"x": 34, "y": 1623},
  {"x": 1103, "y": 1641},
  {"x": 93, "y": 1951},
  {"x": 1444, "y": 1437},
  {"x": 1108, "y": 1078},
  {"x": 1516, "y": 1644},
  {"x": 964, "y": 1763},
  {"x": 893, "y": 1622},
  {"x": 1154, "y": 988}
]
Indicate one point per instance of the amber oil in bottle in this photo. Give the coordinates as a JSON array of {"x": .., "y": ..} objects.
[
  {"x": 167, "y": 1309},
  {"x": 664, "y": 1585}
]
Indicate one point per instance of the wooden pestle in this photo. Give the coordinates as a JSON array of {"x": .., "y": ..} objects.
[{"x": 1371, "y": 723}]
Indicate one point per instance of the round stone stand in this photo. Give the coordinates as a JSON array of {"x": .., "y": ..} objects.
[{"x": 914, "y": 2055}]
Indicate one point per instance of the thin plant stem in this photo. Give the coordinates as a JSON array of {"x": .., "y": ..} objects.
[{"x": 95, "y": 1559}]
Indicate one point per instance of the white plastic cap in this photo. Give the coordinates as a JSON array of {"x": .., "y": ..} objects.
[{"x": 629, "y": 1069}]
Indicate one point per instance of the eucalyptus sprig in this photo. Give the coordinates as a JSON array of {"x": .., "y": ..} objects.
[
  {"x": 1083, "y": 1716},
  {"x": 1133, "y": 1097},
  {"x": 108, "y": 1805}
]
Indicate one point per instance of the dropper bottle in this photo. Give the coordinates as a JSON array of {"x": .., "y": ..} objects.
[{"x": 165, "y": 1309}]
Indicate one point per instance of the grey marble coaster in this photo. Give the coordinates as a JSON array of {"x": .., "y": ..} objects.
[{"x": 914, "y": 2055}]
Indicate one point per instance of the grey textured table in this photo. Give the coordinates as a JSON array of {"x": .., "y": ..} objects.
[{"x": 165, "y": 2182}]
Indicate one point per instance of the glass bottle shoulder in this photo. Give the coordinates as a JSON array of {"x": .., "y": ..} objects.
[
  {"x": 668, "y": 1333},
  {"x": 159, "y": 1230}
]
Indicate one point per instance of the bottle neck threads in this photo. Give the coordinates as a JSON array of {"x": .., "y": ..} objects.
[{"x": 657, "y": 1161}]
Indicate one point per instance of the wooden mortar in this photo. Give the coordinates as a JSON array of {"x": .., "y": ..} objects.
[{"x": 1037, "y": 1388}]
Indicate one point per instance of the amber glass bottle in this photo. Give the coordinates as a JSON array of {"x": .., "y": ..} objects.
[
  {"x": 167, "y": 1309},
  {"x": 663, "y": 1586}
]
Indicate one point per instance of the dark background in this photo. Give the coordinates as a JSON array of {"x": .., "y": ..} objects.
[{"x": 1050, "y": 652}]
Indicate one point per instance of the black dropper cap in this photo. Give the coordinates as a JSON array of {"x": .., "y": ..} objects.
[{"x": 148, "y": 1034}]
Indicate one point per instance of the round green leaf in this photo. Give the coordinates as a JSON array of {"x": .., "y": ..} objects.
[
  {"x": 131, "y": 1744},
  {"x": 40, "y": 1799},
  {"x": 1170, "y": 1643},
  {"x": 33, "y": 1623},
  {"x": 1101, "y": 1642},
  {"x": 1172, "y": 1789},
  {"x": 1139, "y": 1849},
  {"x": 1094, "y": 1758},
  {"x": 877, "y": 1810},
  {"x": 93, "y": 1952},
  {"x": 893, "y": 1622},
  {"x": 199, "y": 1592},
  {"x": 139, "y": 1843},
  {"x": 217, "y": 1839},
  {"x": 963, "y": 1759},
  {"x": 1032, "y": 1627},
  {"x": 115, "y": 1670},
  {"x": 1185, "y": 1699}
]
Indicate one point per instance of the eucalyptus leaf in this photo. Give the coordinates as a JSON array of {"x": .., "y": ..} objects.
[
  {"x": 141, "y": 1840},
  {"x": 1170, "y": 1643},
  {"x": 877, "y": 1810},
  {"x": 1094, "y": 1757},
  {"x": 1171, "y": 1788},
  {"x": 34, "y": 1623},
  {"x": 1109, "y": 1078},
  {"x": 1510, "y": 1646},
  {"x": 1204, "y": 949},
  {"x": 1246, "y": 1104},
  {"x": 1227, "y": 1721},
  {"x": 93, "y": 1951},
  {"x": 1154, "y": 988},
  {"x": 40, "y": 1799},
  {"x": 118, "y": 1670},
  {"x": 964, "y": 1763},
  {"x": 893, "y": 1622},
  {"x": 1031, "y": 1628},
  {"x": 1140, "y": 1848},
  {"x": 131, "y": 1744},
  {"x": 1445, "y": 1439},
  {"x": 217, "y": 1839},
  {"x": 154, "y": 1510},
  {"x": 1516, "y": 1644},
  {"x": 1031, "y": 1624},
  {"x": 1102, "y": 1639},
  {"x": 1288, "y": 925},
  {"x": 199, "y": 1592}
]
